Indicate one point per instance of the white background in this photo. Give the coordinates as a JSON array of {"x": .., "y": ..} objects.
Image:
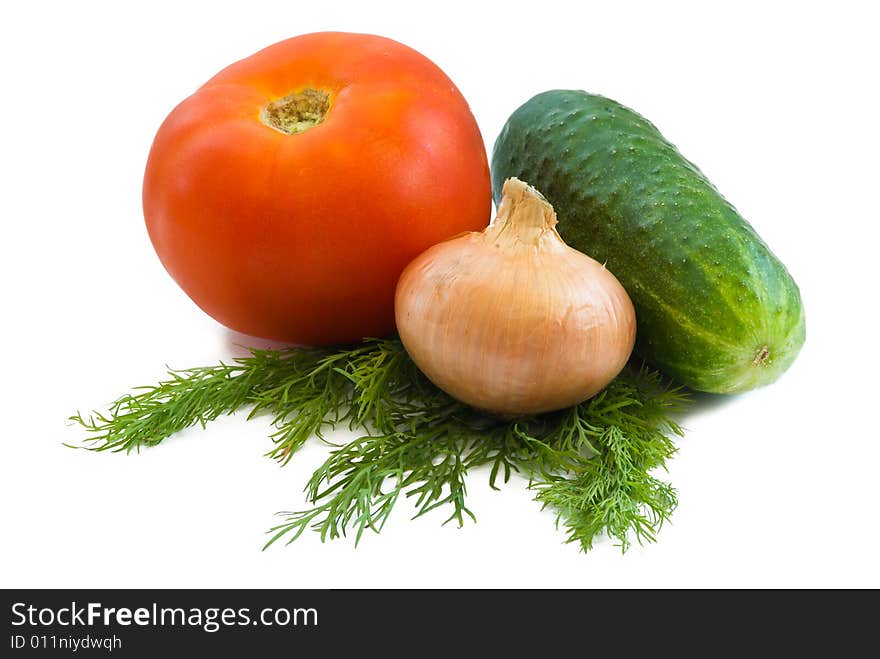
[{"x": 778, "y": 105}]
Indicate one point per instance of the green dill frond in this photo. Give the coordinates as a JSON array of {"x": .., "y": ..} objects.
[
  {"x": 192, "y": 397},
  {"x": 314, "y": 397},
  {"x": 592, "y": 464},
  {"x": 626, "y": 429}
]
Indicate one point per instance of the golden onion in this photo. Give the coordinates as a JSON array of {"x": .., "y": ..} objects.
[{"x": 512, "y": 320}]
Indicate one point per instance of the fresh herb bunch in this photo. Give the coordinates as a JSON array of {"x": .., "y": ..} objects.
[{"x": 592, "y": 463}]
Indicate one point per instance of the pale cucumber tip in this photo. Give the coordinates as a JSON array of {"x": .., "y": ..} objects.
[{"x": 756, "y": 366}]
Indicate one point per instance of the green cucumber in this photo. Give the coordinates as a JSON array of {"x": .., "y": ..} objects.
[{"x": 716, "y": 310}]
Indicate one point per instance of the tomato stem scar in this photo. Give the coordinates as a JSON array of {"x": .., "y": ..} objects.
[{"x": 296, "y": 112}]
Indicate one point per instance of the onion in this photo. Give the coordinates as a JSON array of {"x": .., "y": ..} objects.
[{"x": 512, "y": 320}]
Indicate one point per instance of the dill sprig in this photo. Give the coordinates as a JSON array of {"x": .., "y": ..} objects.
[
  {"x": 628, "y": 431},
  {"x": 592, "y": 464},
  {"x": 195, "y": 396}
]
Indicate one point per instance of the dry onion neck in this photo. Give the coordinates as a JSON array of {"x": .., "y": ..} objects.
[{"x": 525, "y": 218}]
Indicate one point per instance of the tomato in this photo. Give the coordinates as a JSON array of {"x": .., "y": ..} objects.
[{"x": 286, "y": 195}]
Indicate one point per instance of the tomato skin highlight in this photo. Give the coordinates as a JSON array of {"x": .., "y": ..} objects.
[{"x": 301, "y": 237}]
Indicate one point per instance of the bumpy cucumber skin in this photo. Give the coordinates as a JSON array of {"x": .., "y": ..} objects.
[{"x": 716, "y": 310}]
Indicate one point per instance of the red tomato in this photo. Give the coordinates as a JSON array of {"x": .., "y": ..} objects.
[{"x": 288, "y": 193}]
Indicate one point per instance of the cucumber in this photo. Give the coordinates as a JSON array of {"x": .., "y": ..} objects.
[{"x": 716, "y": 310}]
